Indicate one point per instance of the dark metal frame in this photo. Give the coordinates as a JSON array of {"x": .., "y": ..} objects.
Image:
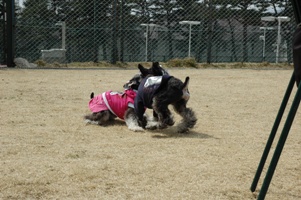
[
  {"x": 10, "y": 11},
  {"x": 290, "y": 118},
  {"x": 8, "y": 48}
]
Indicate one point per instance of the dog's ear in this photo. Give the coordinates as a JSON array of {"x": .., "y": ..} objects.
[
  {"x": 156, "y": 64},
  {"x": 157, "y": 71},
  {"x": 143, "y": 70},
  {"x": 185, "y": 85},
  {"x": 92, "y": 95}
]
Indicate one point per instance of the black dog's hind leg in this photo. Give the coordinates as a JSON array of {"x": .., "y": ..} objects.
[
  {"x": 188, "y": 116},
  {"x": 165, "y": 117}
]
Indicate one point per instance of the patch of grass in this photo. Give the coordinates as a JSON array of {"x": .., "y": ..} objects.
[
  {"x": 89, "y": 64},
  {"x": 177, "y": 62},
  {"x": 186, "y": 62},
  {"x": 265, "y": 63},
  {"x": 121, "y": 64},
  {"x": 246, "y": 65},
  {"x": 41, "y": 63}
]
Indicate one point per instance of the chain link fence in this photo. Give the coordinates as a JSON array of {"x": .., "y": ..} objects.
[{"x": 212, "y": 31}]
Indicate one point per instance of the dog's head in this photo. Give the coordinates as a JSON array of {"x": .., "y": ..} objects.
[
  {"x": 134, "y": 82},
  {"x": 155, "y": 70}
]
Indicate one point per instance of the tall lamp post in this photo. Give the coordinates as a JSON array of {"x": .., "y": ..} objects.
[
  {"x": 263, "y": 37},
  {"x": 146, "y": 36},
  {"x": 63, "y": 24},
  {"x": 279, "y": 19},
  {"x": 190, "y": 24}
]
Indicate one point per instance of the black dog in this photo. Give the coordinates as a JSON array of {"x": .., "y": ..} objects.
[{"x": 157, "y": 92}]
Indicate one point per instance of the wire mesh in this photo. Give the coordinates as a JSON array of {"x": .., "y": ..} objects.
[{"x": 211, "y": 31}]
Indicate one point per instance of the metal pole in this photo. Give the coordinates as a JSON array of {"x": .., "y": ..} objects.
[
  {"x": 63, "y": 35},
  {"x": 263, "y": 49},
  {"x": 146, "y": 42},
  {"x": 114, "y": 34},
  {"x": 10, "y": 34},
  {"x": 278, "y": 40},
  {"x": 280, "y": 145},
  {"x": 189, "y": 40},
  {"x": 273, "y": 133},
  {"x": 122, "y": 33},
  {"x": 95, "y": 50}
]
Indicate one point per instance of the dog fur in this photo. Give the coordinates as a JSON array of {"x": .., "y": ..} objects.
[{"x": 171, "y": 91}]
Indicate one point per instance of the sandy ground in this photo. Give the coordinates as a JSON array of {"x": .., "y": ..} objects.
[{"x": 48, "y": 152}]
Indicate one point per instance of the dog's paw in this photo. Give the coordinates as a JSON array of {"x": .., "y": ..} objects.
[
  {"x": 182, "y": 128},
  {"x": 162, "y": 126},
  {"x": 169, "y": 122},
  {"x": 152, "y": 125},
  {"x": 142, "y": 123},
  {"x": 136, "y": 128},
  {"x": 87, "y": 121}
]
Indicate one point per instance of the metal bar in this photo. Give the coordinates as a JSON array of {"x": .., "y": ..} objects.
[
  {"x": 280, "y": 145},
  {"x": 63, "y": 35},
  {"x": 146, "y": 43},
  {"x": 273, "y": 132},
  {"x": 114, "y": 34},
  {"x": 10, "y": 9},
  {"x": 189, "y": 41},
  {"x": 3, "y": 56}
]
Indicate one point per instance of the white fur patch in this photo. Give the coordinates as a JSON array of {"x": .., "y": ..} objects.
[
  {"x": 132, "y": 124},
  {"x": 87, "y": 121},
  {"x": 152, "y": 125}
]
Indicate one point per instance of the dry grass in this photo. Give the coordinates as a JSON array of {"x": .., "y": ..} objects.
[
  {"x": 173, "y": 63},
  {"x": 47, "y": 152}
]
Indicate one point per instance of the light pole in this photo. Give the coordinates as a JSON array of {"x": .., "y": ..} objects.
[
  {"x": 262, "y": 37},
  {"x": 63, "y": 24},
  {"x": 190, "y": 24},
  {"x": 146, "y": 36},
  {"x": 279, "y": 19}
]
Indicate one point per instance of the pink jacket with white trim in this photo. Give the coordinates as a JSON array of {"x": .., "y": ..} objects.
[{"x": 116, "y": 102}]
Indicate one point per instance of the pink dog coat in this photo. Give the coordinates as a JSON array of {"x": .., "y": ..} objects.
[{"x": 116, "y": 102}]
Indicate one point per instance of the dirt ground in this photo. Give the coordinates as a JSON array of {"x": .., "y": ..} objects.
[{"x": 48, "y": 152}]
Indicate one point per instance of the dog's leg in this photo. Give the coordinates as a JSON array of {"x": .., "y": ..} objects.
[
  {"x": 155, "y": 116},
  {"x": 188, "y": 115},
  {"x": 152, "y": 121},
  {"x": 165, "y": 117},
  {"x": 131, "y": 120}
]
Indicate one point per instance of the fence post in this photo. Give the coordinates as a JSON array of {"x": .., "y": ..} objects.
[
  {"x": 10, "y": 32},
  {"x": 210, "y": 32},
  {"x": 114, "y": 33}
]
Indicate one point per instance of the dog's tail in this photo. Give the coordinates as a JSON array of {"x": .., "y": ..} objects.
[
  {"x": 185, "y": 85},
  {"x": 186, "y": 94},
  {"x": 92, "y": 95}
]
